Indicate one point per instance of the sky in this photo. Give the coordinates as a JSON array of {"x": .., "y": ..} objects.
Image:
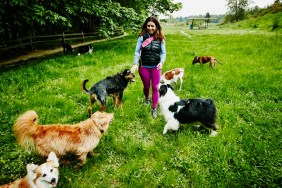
[{"x": 201, "y": 7}]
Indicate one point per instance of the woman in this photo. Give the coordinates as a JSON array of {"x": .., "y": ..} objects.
[{"x": 151, "y": 46}]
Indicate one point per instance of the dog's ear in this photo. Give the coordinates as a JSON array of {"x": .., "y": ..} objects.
[
  {"x": 99, "y": 121},
  {"x": 53, "y": 158},
  {"x": 170, "y": 86},
  {"x": 125, "y": 72},
  {"x": 162, "y": 90},
  {"x": 31, "y": 171}
]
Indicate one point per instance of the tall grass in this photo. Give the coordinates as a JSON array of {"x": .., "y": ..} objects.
[{"x": 246, "y": 89}]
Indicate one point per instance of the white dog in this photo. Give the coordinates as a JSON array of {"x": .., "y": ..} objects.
[
  {"x": 179, "y": 111},
  {"x": 173, "y": 76},
  {"x": 43, "y": 176}
]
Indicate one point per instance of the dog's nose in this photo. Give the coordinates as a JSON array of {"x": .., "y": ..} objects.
[{"x": 53, "y": 180}]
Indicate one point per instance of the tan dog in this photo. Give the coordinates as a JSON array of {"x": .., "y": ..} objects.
[
  {"x": 79, "y": 139},
  {"x": 205, "y": 59},
  {"x": 43, "y": 176},
  {"x": 173, "y": 76}
]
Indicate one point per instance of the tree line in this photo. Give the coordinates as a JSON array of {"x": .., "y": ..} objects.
[
  {"x": 238, "y": 10},
  {"x": 21, "y": 18}
]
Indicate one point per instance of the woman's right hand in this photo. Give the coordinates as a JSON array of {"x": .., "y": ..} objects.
[{"x": 134, "y": 68}]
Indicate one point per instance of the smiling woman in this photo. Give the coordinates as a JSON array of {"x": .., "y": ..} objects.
[{"x": 151, "y": 43}]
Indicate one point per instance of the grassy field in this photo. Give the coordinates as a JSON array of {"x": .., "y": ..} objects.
[{"x": 246, "y": 89}]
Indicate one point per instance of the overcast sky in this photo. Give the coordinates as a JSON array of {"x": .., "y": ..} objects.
[{"x": 197, "y": 7}]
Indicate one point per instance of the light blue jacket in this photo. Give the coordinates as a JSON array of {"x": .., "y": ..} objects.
[{"x": 138, "y": 50}]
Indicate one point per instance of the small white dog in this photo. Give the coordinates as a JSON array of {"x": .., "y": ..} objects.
[
  {"x": 43, "y": 176},
  {"x": 173, "y": 76},
  {"x": 179, "y": 111}
]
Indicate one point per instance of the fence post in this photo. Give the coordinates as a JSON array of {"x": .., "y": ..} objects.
[
  {"x": 63, "y": 37},
  {"x": 82, "y": 36},
  {"x": 30, "y": 40}
]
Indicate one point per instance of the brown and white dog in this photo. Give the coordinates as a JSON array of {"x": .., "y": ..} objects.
[
  {"x": 44, "y": 176},
  {"x": 205, "y": 59},
  {"x": 79, "y": 139},
  {"x": 173, "y": 76}
]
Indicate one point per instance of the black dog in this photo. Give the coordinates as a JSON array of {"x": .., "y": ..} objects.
[
  {"x": 179, "y": 111},
  {"x": 85, "y": 49},
  {"x": 113, "y": 86},
  {"x": 67, "y": 48}
]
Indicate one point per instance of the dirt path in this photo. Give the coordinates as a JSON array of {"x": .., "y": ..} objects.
[{"x": 43, "y": 53}]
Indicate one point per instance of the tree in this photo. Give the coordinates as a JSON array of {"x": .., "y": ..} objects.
[
  {"x": 208, "y": 20},
  {"x": 237, "y": 9},
  {"x": 18, "y": 18}
]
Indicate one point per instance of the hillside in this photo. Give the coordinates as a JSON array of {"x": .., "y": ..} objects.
[{"x": 267, "y": 22}]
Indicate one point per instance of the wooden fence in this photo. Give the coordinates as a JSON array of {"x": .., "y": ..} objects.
[
  {"x": 46, "y": 42},
  {"x": 33, "y": 41},
  {"x": 50, "y": 41}
]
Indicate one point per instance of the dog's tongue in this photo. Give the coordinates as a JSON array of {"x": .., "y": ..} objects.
[{"x": 54, "y": 184}]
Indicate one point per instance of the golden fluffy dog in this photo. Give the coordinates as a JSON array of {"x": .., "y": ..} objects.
[
  {"x": 205, "y": 59},
  {"x": 79, "y": 139},
  {"x": 43, "y": 176}
]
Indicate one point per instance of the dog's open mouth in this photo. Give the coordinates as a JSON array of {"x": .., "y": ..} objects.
[
  {"x": 53, "y": 182},
  {"x": 131, "y": 78}
]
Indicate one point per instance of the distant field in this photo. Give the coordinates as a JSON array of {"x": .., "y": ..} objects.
[{"x": 246, "y": 89}]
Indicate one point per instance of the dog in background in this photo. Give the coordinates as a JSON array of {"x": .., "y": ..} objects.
[
  {"x": 173, "y": 76},
  {"x": 85, "y": 49},
  {"x": 205, "y": 59},
  {"x": 44, "y": 176},
  {"x": 79, "y": 139},
  {"x": 113, "y": 86},
  {"x": 179, "y": 111},
  {"x": 67, "y": 48}
]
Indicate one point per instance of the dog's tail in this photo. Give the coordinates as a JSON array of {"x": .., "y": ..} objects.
[
  {"x": 84, "y": 88},
  {"x": 25, "y": 129},
  {"x": 218, "y": 61}
]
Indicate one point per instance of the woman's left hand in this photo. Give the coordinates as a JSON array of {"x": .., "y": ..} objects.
[{"x": 160, "y": 66}]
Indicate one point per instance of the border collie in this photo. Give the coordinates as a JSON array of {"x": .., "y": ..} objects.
[
  {"x": 179, "y": 111},
  {"x": 85, "y": 49}
]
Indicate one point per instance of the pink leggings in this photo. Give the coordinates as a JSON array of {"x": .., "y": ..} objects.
[{"x": 149, "y": 75}]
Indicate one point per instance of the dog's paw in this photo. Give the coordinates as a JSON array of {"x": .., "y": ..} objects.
[
  {"x": 165, "y": 131},
  {"x": 213, "y": 133}
]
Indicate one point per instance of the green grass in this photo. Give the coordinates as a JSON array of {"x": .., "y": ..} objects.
[{"x": 246, "y": 89}]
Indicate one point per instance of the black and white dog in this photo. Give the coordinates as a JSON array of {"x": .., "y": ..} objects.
[
  {"x": 67, "y": 47},
  {"x": 85, "y": 49},
  {"x": 179, "y": 111}
]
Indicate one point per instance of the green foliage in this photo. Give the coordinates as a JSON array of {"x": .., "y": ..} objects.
[
  {"x": 268, "y": 22},
  {"x": 31, "y": 16},
  {"x": 246, "y": 89},
  {"x": 237, "y": 9}
]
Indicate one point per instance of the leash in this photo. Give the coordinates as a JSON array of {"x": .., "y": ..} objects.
[{"x": 147, "y": 41}]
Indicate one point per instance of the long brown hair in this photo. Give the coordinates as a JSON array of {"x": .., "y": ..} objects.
[{"x": 158, "y": 34}]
